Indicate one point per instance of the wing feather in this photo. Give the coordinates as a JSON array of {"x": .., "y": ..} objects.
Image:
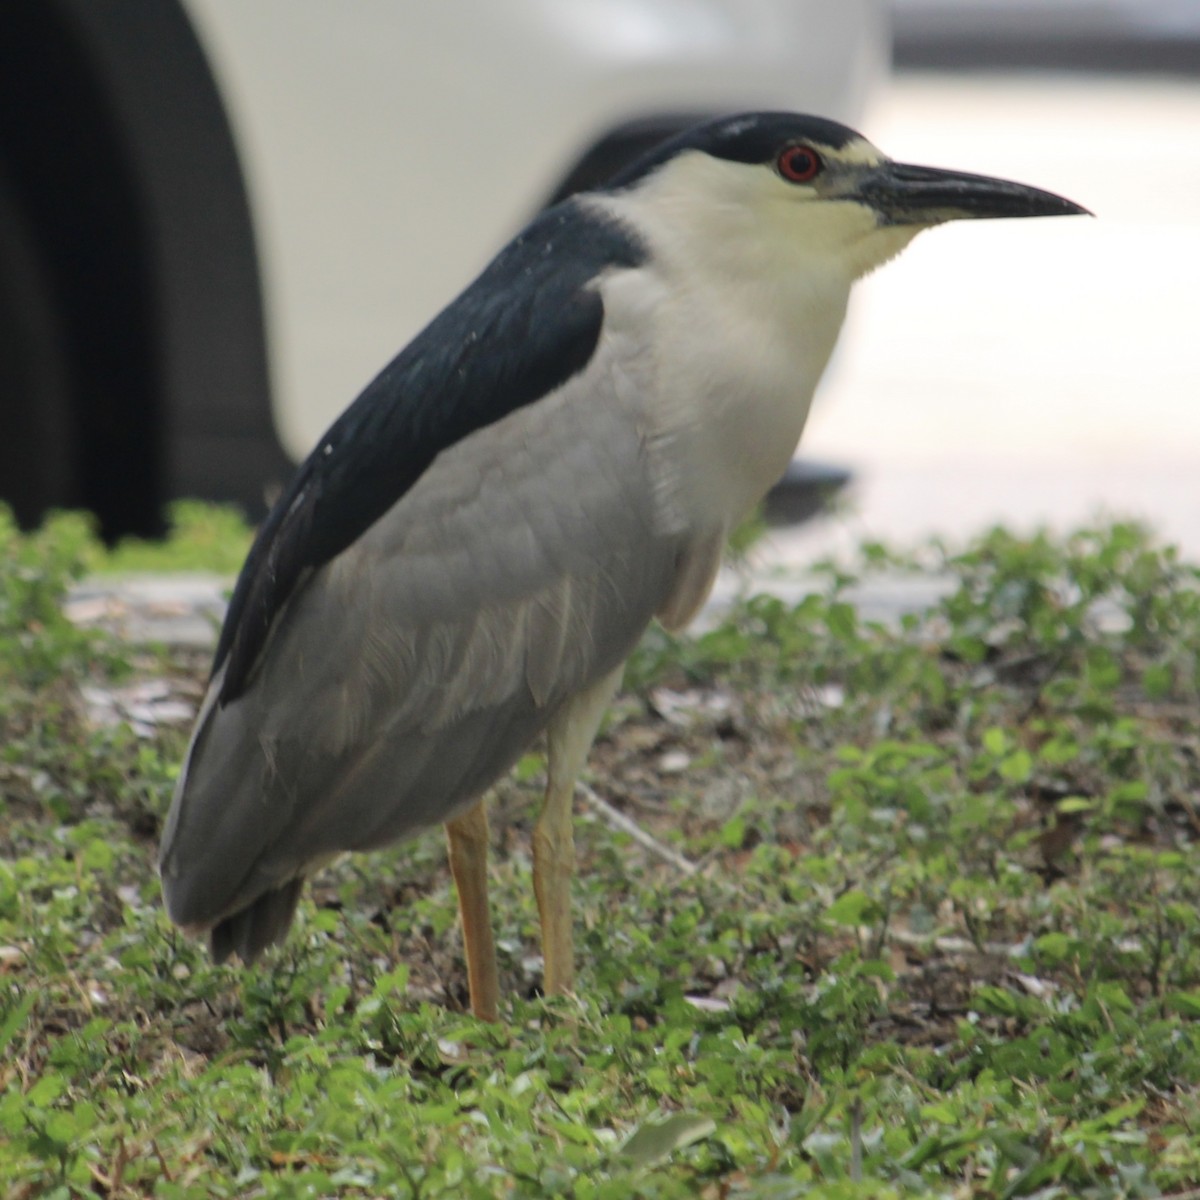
[
  {"x": 698, "y": 567},
  {"x": 530, "y": 322},
  {"x": 551, "y": 624},
  {"x": 418, "y": 664}
]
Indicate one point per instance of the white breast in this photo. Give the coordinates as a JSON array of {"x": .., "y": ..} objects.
[{"x": 742, "y": 321}]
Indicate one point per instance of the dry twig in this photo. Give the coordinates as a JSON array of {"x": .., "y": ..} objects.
[{"x": 618, "y": 820}]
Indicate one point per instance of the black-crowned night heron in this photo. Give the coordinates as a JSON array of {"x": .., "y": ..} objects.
[{"x": 471, "y": 552}]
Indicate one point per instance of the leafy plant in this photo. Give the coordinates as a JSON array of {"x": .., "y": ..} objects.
[{"x": 941, "y": 938}]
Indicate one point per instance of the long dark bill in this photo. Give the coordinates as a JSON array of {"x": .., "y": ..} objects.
[{"x": 903, "y": 194}]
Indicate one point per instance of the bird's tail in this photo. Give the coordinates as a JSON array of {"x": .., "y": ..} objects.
[{"x": 249, "y": 931}]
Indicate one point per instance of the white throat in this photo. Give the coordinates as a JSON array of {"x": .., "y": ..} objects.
[{"x": 744, "y": 297}]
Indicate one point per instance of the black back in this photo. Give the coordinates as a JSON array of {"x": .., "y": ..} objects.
[{"x": 522, "y": 329}]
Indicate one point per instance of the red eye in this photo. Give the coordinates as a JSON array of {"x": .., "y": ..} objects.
[{"x": 798, "y": 164}]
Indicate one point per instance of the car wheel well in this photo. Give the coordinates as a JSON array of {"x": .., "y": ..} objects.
[
  {"x": 132, "y": 221},
  {"x": 82, "y": 404}
]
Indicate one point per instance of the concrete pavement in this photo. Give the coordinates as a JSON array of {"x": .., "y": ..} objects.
[{"x": 1027, "y": 372}]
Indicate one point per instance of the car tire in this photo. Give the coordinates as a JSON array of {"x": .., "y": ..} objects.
[{"x": 37, "y": 450}]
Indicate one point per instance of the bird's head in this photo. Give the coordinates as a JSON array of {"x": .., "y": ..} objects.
[{"x": 782, "y": 179}]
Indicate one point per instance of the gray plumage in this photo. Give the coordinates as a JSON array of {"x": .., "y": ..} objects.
[
  {"x": 475, "y": 546},
  {"x": 411, "y": 671}
]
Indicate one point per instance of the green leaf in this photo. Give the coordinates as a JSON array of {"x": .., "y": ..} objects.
[
  {"x": 15, "y": 1019},
  {"x": 1185, "y": 1003},
  {"x": 46, "y": 1090},
  {"x": 97, "y": 855},
  {"x": 854, "y": 908},
  {"x": 1074, "y": 804},
  {"x": 1103, "y": 670},
  {"x": 530, "y": 766},
  {"x": 1017, "y": 767},
  {"x": 842, "y": 619},
  {"x": 733, "y": 832},
  {"x": 996, "y": 742},
  {"x": 1059, "y": 750},
  {"x": 654, "y": 1141},
  {"x": 1055, "y": 946},
  {"x": 1157, "y": 679}
]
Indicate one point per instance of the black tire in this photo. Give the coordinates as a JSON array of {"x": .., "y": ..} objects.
[{"x": 37, "y": 450}]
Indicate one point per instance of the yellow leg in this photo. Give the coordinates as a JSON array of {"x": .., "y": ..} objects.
[
  {"x": 569, "y": 739},
  {"x": 468, "y": 837},
  {"x": 553, "y": 866}
]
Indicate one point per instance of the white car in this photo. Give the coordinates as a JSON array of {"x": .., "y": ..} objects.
[{"x": 219, "y": 218}]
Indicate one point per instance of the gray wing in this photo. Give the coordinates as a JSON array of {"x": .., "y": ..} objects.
[{"x": 414, "y": 668}]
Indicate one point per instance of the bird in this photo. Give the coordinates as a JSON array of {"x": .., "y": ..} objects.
[{"x": 473, "y": 549}]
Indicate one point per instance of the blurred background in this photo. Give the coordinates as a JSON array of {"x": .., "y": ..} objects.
[
  {"x": 1046, "y": 371},
  {"x": 219, "y": 218}
]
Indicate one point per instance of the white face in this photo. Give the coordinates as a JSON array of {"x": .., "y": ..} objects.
[
  {"x": 824, "y": 215},
  {"x": 752, "y": 212}
]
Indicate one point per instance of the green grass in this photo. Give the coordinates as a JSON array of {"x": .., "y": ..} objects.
[
  {"x": 203, "y": 537},
  {"x": 942, "y": 941}
]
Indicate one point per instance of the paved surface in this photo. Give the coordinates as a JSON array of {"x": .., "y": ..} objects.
[
  {"x": 1028, "y": 372},
  {"x": 178, "y": 610}
]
